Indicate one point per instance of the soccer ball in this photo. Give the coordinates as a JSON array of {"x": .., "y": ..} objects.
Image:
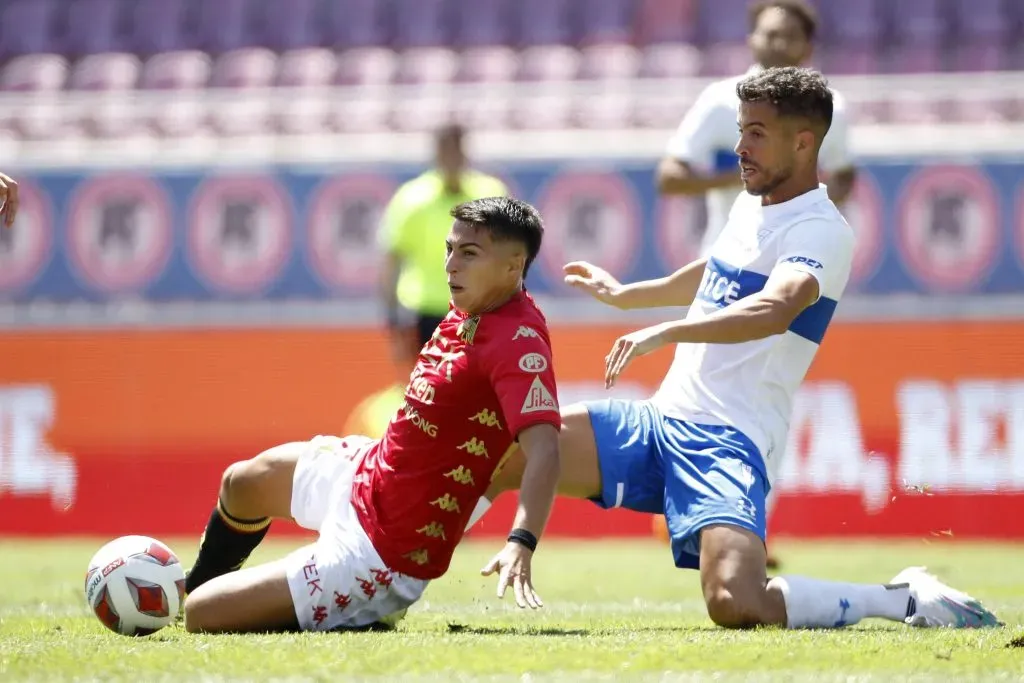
[{"x": 135, "y": 585}]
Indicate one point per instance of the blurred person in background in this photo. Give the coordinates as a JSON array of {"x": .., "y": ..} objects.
[
  {"x": 416, "y": 220},
  {"x": 700, "y": 159},
  {"x": 8, "y": 200}
]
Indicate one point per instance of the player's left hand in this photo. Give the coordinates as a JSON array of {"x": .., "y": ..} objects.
[
  {"x": 513, "y": 567},
  {"x": 625, "y": 349}
]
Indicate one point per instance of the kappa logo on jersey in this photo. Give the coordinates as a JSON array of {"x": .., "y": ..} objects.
[
  {"x": 447, "y": 502},
  {"x": 433, "y": 530},
  {"x": 533, "y": 362},
  {"x": 475, "y": 446},
  {"x": 488, "y": 418},
  {"x": 803, "y": 259},
  {"x": 420, "y": 557},
  {"x": 539, "y": 399},
  {"x": 525, "y": 332},
  {"x": 462, "y": 475}
]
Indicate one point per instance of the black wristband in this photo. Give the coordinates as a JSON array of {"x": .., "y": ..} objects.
[{"x": 524, "y": 538}]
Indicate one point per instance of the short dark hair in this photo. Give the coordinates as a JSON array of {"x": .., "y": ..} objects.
[
  {"x": 506, "y": 219},
  {"x": 802, "y": 10},
  {"x": 795, "y": 92}
]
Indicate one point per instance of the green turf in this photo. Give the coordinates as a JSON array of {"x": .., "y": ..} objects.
[{"x": 614, "y": 611}]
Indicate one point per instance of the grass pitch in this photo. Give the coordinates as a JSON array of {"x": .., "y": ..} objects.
[{"x": 613, "y": 611}]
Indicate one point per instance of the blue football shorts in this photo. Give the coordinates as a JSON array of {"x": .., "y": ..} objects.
[{"x": 694, "y": 474}]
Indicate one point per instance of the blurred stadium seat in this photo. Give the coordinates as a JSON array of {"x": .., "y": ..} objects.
[{"x": 530, "y": 56}]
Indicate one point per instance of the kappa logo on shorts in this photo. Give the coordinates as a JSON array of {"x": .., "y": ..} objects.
[
  {"x": 525, "y": 332},
  {"x": 382, "y": 577},
  {"x": 539, "y": 399},
  {"x": 533, "y": 362},
  {"x": 369, "y": 590},
  {"x": 342, "y": 600}
]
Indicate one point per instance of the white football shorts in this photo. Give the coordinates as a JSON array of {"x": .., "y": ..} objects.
[{"x": 339, "y": 581}]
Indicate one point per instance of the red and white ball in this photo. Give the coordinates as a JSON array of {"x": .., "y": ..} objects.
[{"x": 135, "y": 585}]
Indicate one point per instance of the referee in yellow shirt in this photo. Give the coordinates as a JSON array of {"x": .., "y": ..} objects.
[{"x": 415, "y": 224}]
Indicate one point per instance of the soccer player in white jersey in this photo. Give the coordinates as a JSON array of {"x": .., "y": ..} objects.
[
  {"x": 703, "y": 450},
  {"x": 700, "y": 158}
]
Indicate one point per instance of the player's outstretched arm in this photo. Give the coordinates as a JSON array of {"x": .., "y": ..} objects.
[
  {"x": 769, "y": 312},
  {"x": 8, "y": 199},
  {"x": 677, "y": 289},
  {"x": 675, "y": 177},
  {"x": 539, "y": 444}
]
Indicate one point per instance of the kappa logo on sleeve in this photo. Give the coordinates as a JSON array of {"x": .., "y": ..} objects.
[
  {"x": 525, "y": 332},
  {"x": 539, "y": 399}
]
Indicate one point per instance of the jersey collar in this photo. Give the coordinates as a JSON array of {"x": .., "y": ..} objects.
[{"x": 796, "y": 204}]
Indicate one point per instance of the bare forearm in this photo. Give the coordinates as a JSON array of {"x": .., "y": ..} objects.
[
  {"x": 677, "y": 289},
  {"x": 746, "y": 320},
  {"x": 676, "y": 178},
  {"x": 537, "y": 491}
]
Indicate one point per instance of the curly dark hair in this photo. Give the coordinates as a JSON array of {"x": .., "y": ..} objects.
[
  {"x": 795, "y": 92},
  {"x": 506, "y": 219},
  {"x": 801, "y": 9}
]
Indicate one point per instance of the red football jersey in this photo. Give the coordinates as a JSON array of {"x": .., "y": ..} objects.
[{"x": 477, "y": 383}]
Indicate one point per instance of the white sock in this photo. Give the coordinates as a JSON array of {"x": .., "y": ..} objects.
[
  {"x": 813, "y": 603},
  {"x": 482, "y": 506}
]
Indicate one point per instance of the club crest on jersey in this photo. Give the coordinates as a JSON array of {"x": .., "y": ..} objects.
[
  {"x": 467, "y": 329},
  {"x": 539, "y": 399}
]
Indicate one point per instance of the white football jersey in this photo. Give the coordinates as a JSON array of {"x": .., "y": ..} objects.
[
  {"x": 750, "y": 386},
  {"x": 707, "y": 136}
]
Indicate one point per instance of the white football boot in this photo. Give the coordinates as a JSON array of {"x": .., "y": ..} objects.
[{"x": 933, "y": 604}]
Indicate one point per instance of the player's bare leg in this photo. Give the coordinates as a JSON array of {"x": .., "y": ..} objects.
[
  {"x": 252, "y": 493},
  {"x": 738, "y": 594},
  {"x": 580, "y": 472},
  {"x": 256, "y": 599},
  {"x": 734, "y": 581}
]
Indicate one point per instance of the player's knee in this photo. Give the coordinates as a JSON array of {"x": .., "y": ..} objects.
[
  {"x": 197, "y": 613},
  {"x": 731, "y": 609},
  {"x": 244, "y": 487},
  {"x": 237, "y": 482}
]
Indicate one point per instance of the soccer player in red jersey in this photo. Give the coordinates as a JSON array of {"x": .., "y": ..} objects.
[{"x": 391, "y": 511}]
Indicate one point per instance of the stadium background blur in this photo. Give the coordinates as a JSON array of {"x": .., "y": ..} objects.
[{"x": 193, "y": 274}]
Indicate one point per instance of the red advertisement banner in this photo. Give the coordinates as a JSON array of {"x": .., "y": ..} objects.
[{"x": 902, "y": 429}]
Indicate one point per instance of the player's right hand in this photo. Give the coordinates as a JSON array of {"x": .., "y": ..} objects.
[
  {"x": 597, "y": 282},
  {"x": 513, "y": 567},
  {"x": 8, "y": 199}
]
